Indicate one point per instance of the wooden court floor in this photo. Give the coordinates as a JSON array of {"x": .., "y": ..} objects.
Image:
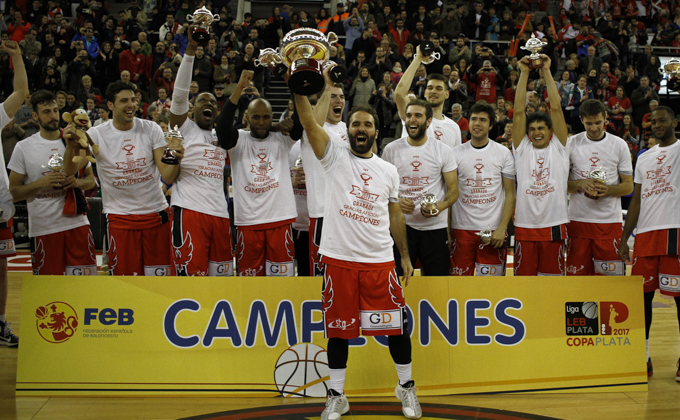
[{"x": 662, "y": 401}]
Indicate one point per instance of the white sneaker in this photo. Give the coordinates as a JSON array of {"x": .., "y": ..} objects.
[
  {"x": 409, "y": 402},
  {"x": 336, "y": 406}
]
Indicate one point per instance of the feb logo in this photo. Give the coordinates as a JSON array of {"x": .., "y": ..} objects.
[
  {"x": 612, "y": 317},
  {"x": 56, "y": 321}
]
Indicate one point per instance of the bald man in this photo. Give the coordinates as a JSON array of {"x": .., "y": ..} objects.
[
  {"x": 134, "y": 61},
  {"x": 264, "y": 204}
]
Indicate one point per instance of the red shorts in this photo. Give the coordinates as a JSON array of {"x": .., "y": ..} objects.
[
  {"x": 360, "y": 295},
  {"x": 539, "y": 258},
  {"x": 71, "y": 253},
  {"x": 140, "y": 244},
  {"x": 202, "y": 244},
  {"x": 592, "y": 249},
  {"x": 658, "y": 272},
  {"x": 467, "y": 257},
  {"x": 265, "y": 250},
  {"x": 316, "y": 267},
  {"x": 7, "y": 248}
]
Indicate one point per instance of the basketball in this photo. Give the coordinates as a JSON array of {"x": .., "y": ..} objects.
[
  {"x": 589, "y": 310},
  {"x": 301, "y": 371},
  {"x": 41, "y": 312}
]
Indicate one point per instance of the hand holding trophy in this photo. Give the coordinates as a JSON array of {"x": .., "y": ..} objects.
[
  {"x": 534, "y": 46},
  {"x": 173, "y": 152}
]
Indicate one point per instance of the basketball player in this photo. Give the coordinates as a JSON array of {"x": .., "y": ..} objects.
[
  {"x": 264, "y": 204},
  {"x": 360, "y": 279},
  {"x": 539, "y": 142},
  {"x": 60, "y": 244},
  {"x": 595, "y": 219},
  {"x": 301, "y": 223},
  {"x": 653, "y": 210},
  {"x": 486, "y": 184},
  {"x": 436, "y": 94},
  {"x": 7, "y": 249},
  {"x": 425, "y": 165},
  {"x": 201, "y": 234},
  {"x": 130, "y": 169}
]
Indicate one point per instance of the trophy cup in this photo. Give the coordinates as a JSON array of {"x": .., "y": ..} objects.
[
  {"x": 297, "y": 168},
  {"x": 55, "y": 163},
  {"x": 671, "y": 68},
  {"x": 428, "y": 204},
  {"x": 174, "y": 139},
  {"x": 534, "y": 46},
  {"x": 598, "y": 175},
  {"x": 427, "y": 48},
  {"x": 202, "y": 18},
  {"x": 485, "y": 236},
  {"x": 304, "y": 54}
]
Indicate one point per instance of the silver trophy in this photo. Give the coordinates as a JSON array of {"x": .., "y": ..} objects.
[
  {"x": 55, "y": 163},
  {"x": 534, "y": 46},
  {"x": 427, "y": 49},
  {"x": 485, "y": 236},
  {"x": 174, "y": 139},
  {"x": 671, "y": 68},
  {"x": 598, "y": 175},
  {"x": 428, "y": 204},
  {"x": 202, "y": 19}
]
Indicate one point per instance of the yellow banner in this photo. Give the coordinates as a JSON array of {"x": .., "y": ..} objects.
[{"x": 246, "y": 336}]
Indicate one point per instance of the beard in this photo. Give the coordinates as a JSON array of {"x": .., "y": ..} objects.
[
  {"x": 361, "y": 148},
  {"x": 420, "y": 133},
  {"x": 49, "y": 125}
]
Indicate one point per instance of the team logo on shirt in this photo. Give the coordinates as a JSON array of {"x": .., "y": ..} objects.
[
  {"x": 415, "y": 181},
  {"x": 659, "y": 173},
  {"x": 129, "y": 148},
  {"x": 541, "y": 173},
  {"x": 364, "y": 194},
  {"x": 183, "y": 255},
  {"x": 478, "y": 181},
  {"x": 261, "y": 170},
  {"x": 214, "y": 154},
  {"x": 594, "y": 160},
  {"x": 38, "y": 257},
  {"x": 438, "y": 134},
  {"x": 131, "y": 164},
  {"x": 366, "y": 177}
]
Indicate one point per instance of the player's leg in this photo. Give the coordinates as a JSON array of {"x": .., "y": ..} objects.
[
  {"x": 551, "y": 258},
  {"x": 579, "y": 257},
  {"x": 190, "y": 242},
  {"x": 157, "y": 250},
  {"x": 648, "y": 268},
  {"x": 7, "y": 336},
  {"x": 606, "y": 259},
  {"x": 81, "y": 258},
  {"x": 669, "y": 284},
  {"x": 434, "y": 252},
  {"x": 125, "y": 252},
  {"x": 250, "y": 249},
  {"x": 413, "y": 243},
  {"x": 526, "y": 258},
  {"x": 316, "y": 267},
  {"x": 463, "y": 252},
  {"x": 491, "y": 261},
  {"x": 301, "y": 240},
  {"x": 221, "y": 261},
  {"x": 48, "y": 254},
  {"x": 280, "y": 251}
]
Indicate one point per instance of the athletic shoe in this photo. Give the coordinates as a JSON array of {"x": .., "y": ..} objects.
[
  {"x": 409, "y": 402},
  {"x": 336, "y": 406},
  {"x": 677, "y": 374},
  {"x": 650, "y": 368},
  {"x": 7, "y": 337}
]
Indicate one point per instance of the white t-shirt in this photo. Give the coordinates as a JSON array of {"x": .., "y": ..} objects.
[
  {"x": 420, "y": 171},
  {"x": 200, "y": 183},
  {"x": 446, "y": 130},
  {"x": 4, "y": 120},
  {"x": 45, "y": 208},
  {"x": 263, "y": 191},
  {"x": 314, "y": 172},
  {"x": 658, "y": 173},
  {"x": 480, "y": 185},
  {"x": 300, "y": 192},
  {"x": 541, "y": 184},
  {"x": 130, "y": 180},
  {"x": 356, "y": 225},
  {"x": 586, "y": 155}
]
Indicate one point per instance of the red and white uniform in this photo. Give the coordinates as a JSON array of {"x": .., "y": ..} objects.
[
  {"x": 264, "y": 204},
  {"x": 60, "y": 247},
  {"x": 655, "y": 256},
  {"x": 202, "y": 238},
  {"x": 595, "y": 225},
  {"x": 7, "y": 248},
  {"x": 420, "y": 171},
  {"x": 301, "y": 222},
  {"x": 446, "y": 130},
  {"x": 137, "y": 214},
  {"x": 360, "y": 281},
  {"x": 541, "y": 209},
  {"x": 480, "y": 204}
]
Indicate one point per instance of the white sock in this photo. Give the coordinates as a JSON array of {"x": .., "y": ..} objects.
[
  {"x": 2, "y": 318},
  {"x": 337, "y": 381},
  {"x": 404, "y": 372},
  {"x": 647, "y": 350}
]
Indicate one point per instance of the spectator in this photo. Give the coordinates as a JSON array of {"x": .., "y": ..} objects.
[
  {"x": 641, "y": 98},
  {"x": 630, "y": 82},
  {"x": 333, "y": 54},
  {"x": 202, "y": 70},
  {"x": 364, "y": 13},
  {"x": 134, "y": 62},
  {"x": 130, "y": 26},
  {"x": 181, "y": 39},
  {"x": 407, "y": 57},
  {"x": 306, "y": 21},
  {"x": 29, "y": 45},
  {"x": 255, "y": 39},
  {"x": 384, "y": 17},
  {"x": 646, "y": 124},
  {"x": 365, "y": 43},
  {"x": 339, "y": 19},
  {"x": 630, "y": 133},
  {"x": 51, "y": 80},
  {"x": 247, "y": 63},
  {"x": 142, "y": 104},
  {"x": 477, "y": 27},
  {"x": 362, "y": 88},
  {"x": 418, "y": 34},
  {"x": 449, "y": 25},
  {"x": 323, "y": 19},
  {"x": 579, "y": 94},
  {"x": 400, "y": 34},
  {"x": 137, "y": 14},
  {"x": 652, "y": 72},
  {"x": 90, "y": 44},
  {"x": 644, "y": 59},
  {"x": 86, "y": 90},
  {"x": 506, "y": 27},
  {"x": 618, "y": 107},
  {"x": 18, "y": 29},
  {"x": 458, "y": 91},
  {"x": 91, "y": 108},
  {"x": 487, "y": 80},
  {"x": 423, "y": 18},
  {"x": 457, "y": 116},
  {"x": 224, "y": 72},
  {"x": 359, "y": 62},
  {"x": 170, "y": 26},
  {"x": 608, "y": 83},
  {"x": 354, "y": 28},
  {"x": 461, "y": 50},
  {"x": 163, "y": 102},
  {"x": 396, "y": 73},
  {"x": 378, "y": 65},
  {"x": 419, "y": 84},
  {"x": 107, "y": 66},
  {"x": 146, "y": 47},
  {"x": 24, "y": 118},
  {"x": 591, "y": 61},
  {"x": 104, "y": 113},
  {"x": 11, "y": 134},
  {"x": 564, "y": 87},
  {"x": 79, "y": 67},
  {"x": 382, "y": 100}
]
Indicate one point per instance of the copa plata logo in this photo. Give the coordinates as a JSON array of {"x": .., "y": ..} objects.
[{"x": 56, "y": 322}]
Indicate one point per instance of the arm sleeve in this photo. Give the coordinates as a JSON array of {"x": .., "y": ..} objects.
[
  {"x": 180, "y": 95},
  {"x": 296, "y": 132},
  {"x": 227, "y": 135}
]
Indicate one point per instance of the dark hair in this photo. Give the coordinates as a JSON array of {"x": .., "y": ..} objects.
[
  {"x": 104, "y": 108},
  {"x": 437, "y": 76},
  {"x": 592, "y": 108},
  {"x": 116, "y": 87},
  {"x": 368, "y": 110},
  {"x": 484, "y": 107},
  {"x": 424, "y": 104},
  {"x": 539, "y": 117},
  {"x": 42, "y": 97},
  {"x": 670, "y": 112}
]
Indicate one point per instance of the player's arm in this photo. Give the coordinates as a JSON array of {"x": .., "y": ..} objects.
[
  {"x": 631, "y": 222},
  {"x": 398, "y": 230},
  {"x": 227, "y": 135},
  {"x": 22, "y": 192},
  {"x": 556, "y": 114},
  {"x": 322, "y": 104},
  {"x": 16, "y": 99},
  {"x": 519, "y": 118},
  {"x": 451, "y": 179},
  {"x": 85, "y": 183},
  {"x": 498, "y": 236},
  {"x": 401, "y": 90},
  {"x": 7, "y": 208},
  {"x": 317, "y": 136},
  {"x": 585, "y": 185},
  {"x": 179, "y": 108},
  {"x": 168, "y": 172},
  {"x": 624, "y": 187}
]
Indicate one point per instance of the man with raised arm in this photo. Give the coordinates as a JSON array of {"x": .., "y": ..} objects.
[
  {"x": 436, "y": 94},
  {"x": 654, "y": 210},
  {"x": 130, "y": 170},
  {"x": 201, "y": 234},
  {"x": 360, "y": 280},
  {"x": 486, "y": 185},
  {"x": 539, "y": 142},
  {"x": 425, "y": 166},
  {"x": 595, "y": 219},
  {"x": 264, "y": 204}
]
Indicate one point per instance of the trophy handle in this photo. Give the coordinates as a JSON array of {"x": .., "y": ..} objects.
[{"x": 332, "y": 38}]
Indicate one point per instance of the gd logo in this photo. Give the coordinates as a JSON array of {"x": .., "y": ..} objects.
[{"x": 57, "y": 321}]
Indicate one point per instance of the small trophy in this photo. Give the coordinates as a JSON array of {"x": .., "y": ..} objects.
[
  {"x": 428, "y": 204},
  {"x": 427, "y": 48},
  {"x": 485, "y": 236},
  {"x": 598, "y": 175},
  {"x": 202, "y": 18},
  {"x": 534, "y": 46},
  {"x": 55, "y": 163},
  {"x": 298, "y": 168},
  {"x": 174, "y": 139},
  {"x": 671, "y": 68}
]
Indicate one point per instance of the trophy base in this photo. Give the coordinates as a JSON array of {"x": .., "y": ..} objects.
[
  {"x": 593, "y": 197},
  {"x": 338, "y": 74},
  {"x": 169, "y": 157},
  {"x": 279, "y": 70},
  {"x": 306, "y": 77},
  {"x": 201, "y": 36},
  {"x": 535, "y": 63}
]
